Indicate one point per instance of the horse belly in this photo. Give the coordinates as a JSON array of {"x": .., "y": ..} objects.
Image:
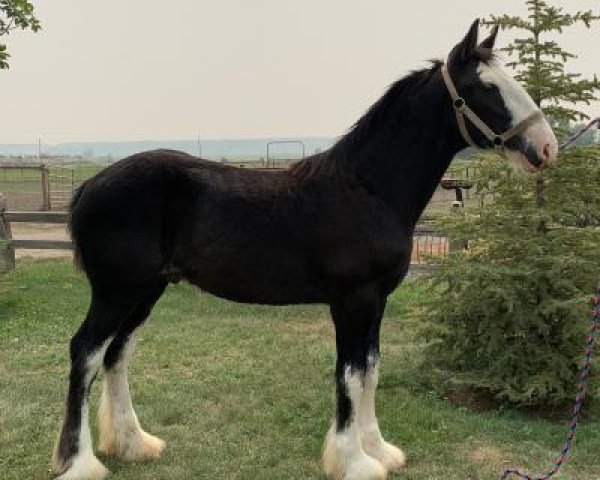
[{"x": 256, "y": 277}]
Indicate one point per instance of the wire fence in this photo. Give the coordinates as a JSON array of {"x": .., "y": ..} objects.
[
  {"x": 63, "y": 182},
  {"x": 43, "y": 187},
  {"x": 25, "y": 186}
]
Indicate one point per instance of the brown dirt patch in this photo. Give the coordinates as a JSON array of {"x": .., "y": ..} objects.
[
  {"x": 423, "y": 246},
  {"x": 475, "y": 401},
  {"x": 482, "y": 402},
  {"x": 489, "y": 455},
  {"x": 40, "y": 231}
]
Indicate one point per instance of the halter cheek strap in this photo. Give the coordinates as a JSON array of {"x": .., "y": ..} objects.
[{"x": 462, "y": 110}]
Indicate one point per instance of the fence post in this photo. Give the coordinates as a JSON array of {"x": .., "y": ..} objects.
[
  {"x": 46, "y": 206},
  {"x": 456, "y": 245},
  {"x": 7, "y": 253}
]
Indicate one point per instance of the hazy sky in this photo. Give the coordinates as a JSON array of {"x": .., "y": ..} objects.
[{"x": 150, "y": 69}]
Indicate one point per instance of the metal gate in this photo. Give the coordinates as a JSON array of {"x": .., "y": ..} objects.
[
  {"x": 64, "y": 179},
  {"x": 62, "y": 183},
  {"x": 24, "y": 186}
]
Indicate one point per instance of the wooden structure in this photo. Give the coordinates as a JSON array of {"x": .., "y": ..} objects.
[
  {"x": 8, "y": 245},
  {"x": 7, "y": 252},
  {"x": 458, "y": 185},
  {"x": 35, "y": 191}
]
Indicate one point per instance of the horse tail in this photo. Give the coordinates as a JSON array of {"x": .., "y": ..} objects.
[{"x": 72, "y": 205}]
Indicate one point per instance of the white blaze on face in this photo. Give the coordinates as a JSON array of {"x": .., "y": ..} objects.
[
  {"x": 517, "y": 100},
  {"x": 521, "y": 106}
]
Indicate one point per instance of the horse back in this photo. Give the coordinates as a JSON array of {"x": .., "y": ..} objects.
[{"x": 247, "y": 235}]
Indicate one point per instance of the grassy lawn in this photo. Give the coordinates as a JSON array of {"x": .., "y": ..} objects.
[{"x": 245, "y": 392}]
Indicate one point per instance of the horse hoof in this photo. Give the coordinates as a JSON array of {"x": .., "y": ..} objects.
[
  {"x": 140, "y": 447},
  {"x": 365, "y": 468},
  {"x": 359, "y": 466},
  {"x": 84, "y": 467},
  {"x": 390, "y": 456}
]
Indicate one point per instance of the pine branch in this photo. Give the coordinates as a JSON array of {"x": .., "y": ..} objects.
[
  {"x": 540, "y": 63},
  {"x": 507, "y": 22}
]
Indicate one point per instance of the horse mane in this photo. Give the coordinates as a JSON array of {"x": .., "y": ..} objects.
[
  {"x": 390, "y": 110},
  {"x": 331, "y": 161}
]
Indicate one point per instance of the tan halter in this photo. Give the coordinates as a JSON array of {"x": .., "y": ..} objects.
[{"x": 462, "y": 110}]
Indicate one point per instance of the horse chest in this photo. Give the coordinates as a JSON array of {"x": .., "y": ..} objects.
[{"x": 374, "y": 260}]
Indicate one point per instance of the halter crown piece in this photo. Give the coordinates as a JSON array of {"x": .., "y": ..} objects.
[{"x": 462, "y": 110}]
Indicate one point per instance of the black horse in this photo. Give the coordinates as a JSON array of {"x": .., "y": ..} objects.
[{"x": 335, "y": 228}]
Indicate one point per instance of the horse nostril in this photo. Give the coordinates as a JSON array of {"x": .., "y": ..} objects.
[{"x": 547, "y": 152}]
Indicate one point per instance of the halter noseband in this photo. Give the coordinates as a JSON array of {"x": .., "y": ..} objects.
[{"x": 462, "y": 110}]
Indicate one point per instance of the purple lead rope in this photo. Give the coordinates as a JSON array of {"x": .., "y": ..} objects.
[
  {"x": 581, "y": 390},
  {"x": 585, "y": 372},
  {"x": 595, "y": 121}
]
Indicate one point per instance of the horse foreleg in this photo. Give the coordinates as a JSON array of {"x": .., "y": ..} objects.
[
  {"x": 391, "y": 457},
  {"x": 344, "y": 457}
]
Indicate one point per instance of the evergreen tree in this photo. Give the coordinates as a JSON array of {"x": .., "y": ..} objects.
[
  {"x": 15, "y": 14},
  {"x": 510, "y": 317},
  {"x": 510, "y": 314},
  {"x": 540, "y": 62}
]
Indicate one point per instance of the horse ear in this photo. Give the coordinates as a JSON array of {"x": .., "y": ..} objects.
[
  {"x": 466, "y": 48},
  {"x": 490, "y": 41}
]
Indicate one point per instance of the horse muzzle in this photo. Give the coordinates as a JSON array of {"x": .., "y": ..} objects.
[{"x": 535, "y": 148}]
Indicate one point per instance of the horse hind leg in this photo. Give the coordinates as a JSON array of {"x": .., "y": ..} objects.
[
  {"x": 121, "y": 434},
  {"x": 73, "y": 456}
]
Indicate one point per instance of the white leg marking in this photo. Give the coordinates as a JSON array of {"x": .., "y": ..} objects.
[
  {"x": 84, "y": 465},
  {"x": 391, "y": 457},
  {"x": 121, "y": 434},
  {"x": 343, "y": 455}
]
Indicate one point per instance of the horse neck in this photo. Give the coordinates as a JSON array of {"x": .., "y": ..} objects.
[{"x": 400, "y": 150}]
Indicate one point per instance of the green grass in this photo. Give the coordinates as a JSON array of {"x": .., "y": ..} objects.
[
  {"x": 80, "y": 170},
  {"x": 245, "y": 392}
]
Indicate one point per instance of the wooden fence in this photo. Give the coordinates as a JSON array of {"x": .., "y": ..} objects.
[
  {"x": 43, "y": 187},
  {"x": 428, "y": 242},
  {"x": 40, "y": 187},
  {"x": 8, "y": 244}
]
